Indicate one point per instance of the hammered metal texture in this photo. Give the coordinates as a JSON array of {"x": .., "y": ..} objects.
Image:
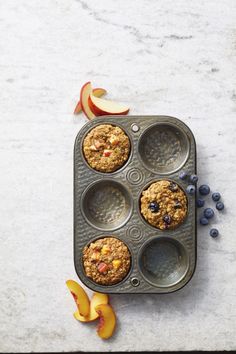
[
  {"x": 163, "y": 261},
  {"x": 92, "y": 222},
  {"x": 106, "y": 204},
  {"x": 163, "y": 148}
]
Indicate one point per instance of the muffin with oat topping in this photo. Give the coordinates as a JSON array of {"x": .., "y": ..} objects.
[
  {"x": 106, "y": 148},
  {"x": 106, "y": 261},
  {"x": 164, "y": 205}
]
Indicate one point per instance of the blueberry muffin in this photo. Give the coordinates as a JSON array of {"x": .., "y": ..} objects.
[
  {"x": 106, "y": 261},
  {"x": 164, "y": 205},
  {"x": 106, "y": 148}
]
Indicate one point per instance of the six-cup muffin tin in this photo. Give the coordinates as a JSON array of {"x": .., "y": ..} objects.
[{"x": 108, "y": 204}]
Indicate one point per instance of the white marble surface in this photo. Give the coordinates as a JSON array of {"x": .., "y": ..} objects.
[{"x": 161, "y": 57}]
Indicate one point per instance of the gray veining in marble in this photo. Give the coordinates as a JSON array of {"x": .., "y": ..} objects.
[{"x": 160, "y": 57}]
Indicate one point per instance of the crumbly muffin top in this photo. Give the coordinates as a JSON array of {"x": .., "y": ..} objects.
[
  {"x": 106, "y": 148},
  {"x": 106, "y": 261},
  {"x": 164, "y": 205}
]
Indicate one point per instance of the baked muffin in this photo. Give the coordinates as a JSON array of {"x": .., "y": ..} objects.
[
  {"x": 164, "y": 205},
  {"x": 106, "y": 148},
  {"x": 106, "y": 261}
]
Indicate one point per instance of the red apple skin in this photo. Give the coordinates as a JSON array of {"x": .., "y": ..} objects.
[
  {"x": 78, "y": 108},
  {"x": 87, "y": 111},
  {"x": 94, "y": 108},
  {"x": 107, "y": 153},
  {"x": 98, "y": 92},
  {"x": 98, "y": 112}
]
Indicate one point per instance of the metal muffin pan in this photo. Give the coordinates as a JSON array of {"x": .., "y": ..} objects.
[{"x": 108, "y": 204}]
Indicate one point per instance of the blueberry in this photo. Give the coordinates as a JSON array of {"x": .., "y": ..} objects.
[
  {"x": 220, "y": 206},
  {"x": 214, "y": 232},
  {"x": 208, "y": 213},
  {"x": 173, "y": 187},
  {"x": 216, "y": 196},
  {"x": 204, "y": 189},
  {"x": 200, "y": 203},
  {"x": 193, "y": 178},
  {"x": 203, "y": 221},
  {"x": 167, "y": 219},
  {"x": 191, "y": 189},
  {"x": 177, "y": 205},
  {"x": 183, "y": 175},
  {"x": 154, "y": 207}
]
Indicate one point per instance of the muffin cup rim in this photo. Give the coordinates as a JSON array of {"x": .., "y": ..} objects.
[
  {"x": 129, "y": 198},
  {"x": 150, "y": 127},
  {"x": 169, "y": 239}
]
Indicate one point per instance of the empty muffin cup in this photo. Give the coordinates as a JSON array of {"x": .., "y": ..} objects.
[
  {"x": 106, "y": 205},
  {"x": 163, "y": 261},
  {"x": 163, "y": 148}
]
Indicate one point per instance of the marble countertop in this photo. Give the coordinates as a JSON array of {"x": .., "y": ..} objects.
[{"x": 159, "y": 57}]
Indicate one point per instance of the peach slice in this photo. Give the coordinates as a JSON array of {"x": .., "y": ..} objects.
[
  {"x": 107, "y": 321},
  {"x": 101, "y": 107},
  {"x": 86, "y": 90},
  {"x": 97, "y": 92},
  {"x": 80, "y": 297},
  {"x": 97, "y": 299}
]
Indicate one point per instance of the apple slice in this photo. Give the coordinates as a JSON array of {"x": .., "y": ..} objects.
[
  {"x": 107, "y": 321},
  {"x": 102, "y": 107},
  {"x": 86, "y": 90},
  {"x": 80, "y": 297},
  {"x": 97, "y": 299},
  {"x": 97, "y": 92}
]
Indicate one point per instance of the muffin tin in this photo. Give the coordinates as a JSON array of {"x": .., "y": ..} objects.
[{"x": 108, "y": 204}]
